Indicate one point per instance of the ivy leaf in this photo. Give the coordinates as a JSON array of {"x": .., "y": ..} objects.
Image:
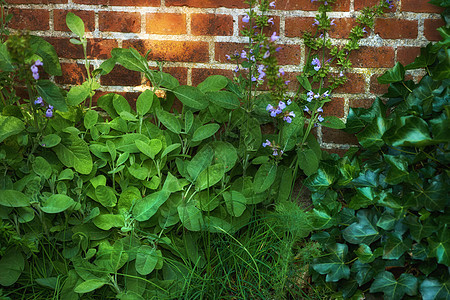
[
  {"x": 333, "y": 264},
  {"x": 440, "y": 246},
  {"x": 364, "y": 272},
  {"x": 363, "y": 231},
  {"x": 395, "y": 246},
  {"x": 394, "y": 289},
  {"x": 432, "y": 288},
  {"x": 434, "y": 194},
  {"x": 372, "y": 135},
  {"x": 365, "y": 254},
  {"x": 397, "y": 73}
]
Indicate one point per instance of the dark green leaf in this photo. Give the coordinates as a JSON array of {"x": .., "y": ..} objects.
[
  {"x": 213, "y": 83},
  {"x": 334, "y": 263},
  {"x": 394, "y": 289},
  {"x": 57, "y": 203},
  {"x": 10, "y": 126},
  {"x": 432, "y": 289},
  {"x": 397, "y": 73},
  {"x": 13, "y": 198},
  {"x": 224, "y": 99},
  {"x": 51, "y": 94},
  {"x": 363, "y": 231},
  {"x": 191, "y": 96},
  {"x": 264, "y": 177},
  {"x": 395, "y": 246},
  {"x": 12, "y": 264},
  {"x": 169, "y": 120},
  {"x": 49, "y": 56}
]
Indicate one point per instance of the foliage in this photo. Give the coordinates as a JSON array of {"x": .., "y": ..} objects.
[{"x": 383, "y": 208}]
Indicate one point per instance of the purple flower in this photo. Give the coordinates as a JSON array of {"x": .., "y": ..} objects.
[
  {"x": 306, "y": 109},
  {"x": 36, "y": 76},
  {"x": 246, "y": 18},
  {"x": 316, "y": 63},
  {"x": 269, "y": 107},
  {"x": 274, "y": 37},
  {"x": 261, "y": 68},
  {"x": 364, "y": 30},
  {"x": 49, "y": 112},
  {"x": 236, "y": 70},
  {"x": 320, "y": 119},
  {"x": 281, "y": 105},
  {"x": 281, "y": 71},
  {"x": 271, "y": 21},
  {"x": 34, "y": 69},
  {"x": 253, "y": 78},
  {"x": 310, "y": 95},
  {"x": 243, "y": 54},
  {"x": 326, "y": 94},
  {"x": 287, "y": 82},
  {"x": 278, "y": 49},
  {"x": 252, "y": 58},
  {"x": 227, "y": 56},
  {"x": 341, "y": 74},
  {"x": 275, "y": 152},
  {"x": 332, "y": 22},
  {"x": 316, "y": 22},
  {"x": 39, "y": 101},
  {"x": 38, "y": 63},
  {"x": 321, "y": 36},
  {"x": 288, "y": 117},
  {"x": 320, "y": 109},
  {"x": 288, "y": 102},
  {"x": 272, "y": 4},
  {"x": 267, "y": 54},
  {"x": 267, "y": 143}
]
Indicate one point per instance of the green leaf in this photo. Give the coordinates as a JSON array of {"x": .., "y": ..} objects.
[
  {"x": 146, "y": 259},
  {"x": 10, "y": 126},
  {"x": 163, "y": 79},
  {"x": 89, "y": 286},
  {"x": 51, "y": 94},
  {"x": 108, "y": 221},
  {"x": 150, "y": 149},
  {"x": 440, "y": 246},
  {"x": 413, "y": 133},
  {"x": 75, "y": 24},
  {"x": 188, "y": 121},
  {"x": 235, "y": 203},
  {"x": 394, "y": 289},
  {"x": 372, "y": 135},
  {"x": 333, "y": 264},
  {"x": 307, "y": 161},
  {"x": 213, "y": 83},
  {"x": 145, "y": 208},
  {"x": 129, "y": 59},
  {"x": 73, "y": 152},
  {"x": 397, "y": 73},
  {"x": 395, "y": 246},
  {"x": 200, "y": 162},
  {"x": 105, "y": 102},
  {"x": 432, "y": 289},
  {"x": 50, "y": 140},
  {"x": 13, "y": 198},
  {"x": 224, "y": 99},
  {"x": 398, "y": 171},
  {"x": 191, "y": 216},
  {"x": 57, "y": 203},
  {"x": 205, "y": 132},
  {"x": 144, "y": 102},
  {"x": 172, "y": 184},
  {"x": 304, "y": 82},
  {"x": 333, "y": 122},
  {"x": 48, "y": 54},
  {"x": 209, "y": 177},
  {"x": 363, "y": 231},
  {"x": 264, "y": 177},
  {"x": 78, "y": 94},
  {"x": 225, "y": 154},
  {"x": 121, "y": 104},
  {"x": 12, "y": 264},
  {"x": 365, "y": 254},
  {"x": 169, "y": 120},
  {"x": 191, "y": 96},
  {"x": 90, "y": 118},
  {"x": 5, "y": 59},
  {"x": 42, "y": 168},
  {"x": 106, "y": 196},
  {"x": 169, "y": 149}
]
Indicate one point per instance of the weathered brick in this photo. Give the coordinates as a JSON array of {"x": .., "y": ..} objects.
[
  {"x": 65, "y": 49},
  {"x": 208, "y": 3},
  {"x": 165, "y": 23},
  {"x": 122, "y": 77},
  {"x": 341, "y": 5},
  {"x": 360, "y": 4},
  {"x": 36, "y": 1},
  {"x": 119, "y": 21},
  {"x": 100, "y": 48},
  {"x": 354, "y": 85},
  {"x": 334, "y": 108},
  {"x": 267, "y": 30},
  {"x": 430, "y": 26},
  {"x": 364, "y": 103},
  {"x": 222, "y": 49},
  {"x": 29, "y": 19},
  {"x": 396, "y": 28},
  {"x": 211, "y": 24},
  {"x": 182, "y": 51},
  {"x": 295, "y": 26},
  {"x": 336, "y": 136},
  {"x": 407, "y": 55},
  {"x": 373, "y": 57},
  {"x": 121, "y": 2},
  {"x": 342, "y": 28},
  {"x": 72, "y": 73},
  {"x": 420, "y": 6},
  {"x": 377, "y": 88},
  {"x": 198, "y": 75},
  {"x": 59, "y": 19}
]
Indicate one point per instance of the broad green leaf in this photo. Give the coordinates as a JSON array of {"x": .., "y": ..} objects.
[
  {"x": 48, "y": 54},
  {"x": 78, "y": 94},
  {"x": 163, "y": 79},
  {"x": 146, "y": 259},
  {"x": 144, "y": 102},
  {"x": 25, "y": 214},
  {"x": 191, "y": 96},
  {"x": 51, "y": 94},
  {"x": 440, "y": 246},
  {"x": 128, "y": 198},
  {"x": 432, "y": 289},
  {"x": 213, "y": 83},
  {"x": 398, "y": 171},
  {"x": 191, "y": 217},
  {"x": 235, "y": 203},
  {"x": 121, "y": 104},
  {"x": 126, "y": 58},
  {"x": 397, "y": 73},
  {"x": 137, "y": 171},
  {"x": 42, "y": 168},
  {"x": 13, "y": 198},
  {"x": 395, "y": 245},
  {"x": 304, "y": 82},
  {"x": 50, "y": 140},
  {"x": 105, "y": 102},
  {"x": 5, "y": 59},
  {"x": 333, "y": 122},
  {"x": 73, "y": 152},
  {"x": 75, "y": 24},
  {"x": 12, "y": 264},
  {"x": 363, "y": 231},
  {"x": 209, "y": 177},
  {"x": 90, "y": 118},
  {"x": 89, "y": 285},
  {"x": 169, "y": 120},
  {"x": 373, "y": 133},
  {"x": 108, "y": 221},
  {"x": 200, "y": 162},
  {"x": 264, "y": 177},
  {"x": 169, "y": 149},
  {"x": 363, "y": 272},
  {"x": 205, "y": 132},
  {"x": 285, "y": 185},
  {"x": 394, "y": 289},
  {"x": 188, "y": 121},
  {"x": 324, "y": 177},
  {"x": 57, "y": 203},
  {"x": 307, "y": 161},
  {"x": 172, "y": 184},
  {"x": 434, "y": 193},
  {"x": 224, "y": 99},
  {"x": 150, "y": 149},
  {"x": 225, "y": 154},
  {"x": 217, "y": 225},
  {"x": 10, "y": 126},
  {"x": 106, "y": 196},
  {"x": 145, "y": 208},
  {"x": 365, "y": 254},
  {"x": 334, "y": 263},
  {"x": 414, "y": 133}
]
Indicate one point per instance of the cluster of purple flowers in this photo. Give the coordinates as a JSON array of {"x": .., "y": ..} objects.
[
  {"x": 312, "y": 96},
  {"x": 275, "y": 148},
  {"x": 49, "y": 111},
  {"x": 316, "y": 63},
  {"x": 275, "y": 111},
  {"x": 35, "y": 70}
]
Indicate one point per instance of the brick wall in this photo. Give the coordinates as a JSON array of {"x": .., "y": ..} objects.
[{"x": 194, "y": 36}]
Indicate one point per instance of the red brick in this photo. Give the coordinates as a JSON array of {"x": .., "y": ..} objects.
[
  {"x": 407, "y": 55},
  {"x": 100, "y": 48},
  {"x": 396, "y": 28},
  {"x": 341, "y": 5},
  {"x": 121, "y": 2},
  {"x": 122, "y": 77},
  {"x": 173, "y": 51},
  {"x": 377, "y": 88},
  {"x": 430, "y": 26},
  {"x": 162, "y": 23},
  {"x": 355, "y": 84},
  {"x": 296, "y": 26},
  {"x": 59, "y": 19},
  {"x": 211, "y": 24},
  {"x": 72, "y": 74},
  {"x": 208, "y": 3},
  {"x": 268, "y": 31},
  {"x": 342, "y": 28},
  {"x": 365, "y": 103},
  {"x": 334, "y": 108},
  {"x": 373, "y": 57},
  {"x": 336, "y": 136},
  {"x": 198, "y": 75},
  {"x": 36, "y": 1},
  {"x": 420, "y": 6},
  {"x": 65, "y": 49},
  {"x": 29, "y": 19},
  {"x": 360, "y": 4},
  {"x": 119, "y": 21}
]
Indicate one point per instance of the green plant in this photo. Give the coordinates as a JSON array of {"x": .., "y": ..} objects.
[{"x": 383, "y": 213}]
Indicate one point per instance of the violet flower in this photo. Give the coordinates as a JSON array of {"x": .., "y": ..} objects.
[
  {"x": 316, "y": 63},
  {"x": 246, "y": 18},
  {"x": 272, "y": 4},
  {"x": 271, "y": 21},
  {"x": 274, "y": 37}
]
